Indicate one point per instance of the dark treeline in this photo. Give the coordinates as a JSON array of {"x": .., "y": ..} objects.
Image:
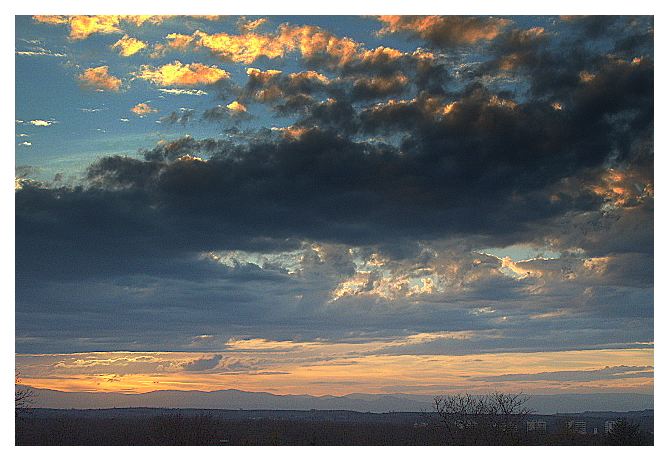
[
  {"x": 177, "y": 429},
  {"x": 203, "y": 428}
]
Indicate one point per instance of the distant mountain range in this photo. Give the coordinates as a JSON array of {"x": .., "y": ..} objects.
[{"x": 379, "y": 403}]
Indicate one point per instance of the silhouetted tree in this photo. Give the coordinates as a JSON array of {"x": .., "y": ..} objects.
[
  {"x": 491, "y": 419},
  {"x": 23, "y": 396},
  {"x": 625, "y": 433}
]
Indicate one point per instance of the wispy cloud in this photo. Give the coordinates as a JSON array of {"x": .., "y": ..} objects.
[
  {"x": 39, "y": 122},
  {"x": 202, "y": 364},
  {"x": 38, "y": 51},
  {"x": 606, "y": 373},
  {"x": 182, "y": 91}
]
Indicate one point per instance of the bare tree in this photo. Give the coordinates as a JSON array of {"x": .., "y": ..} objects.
[
  {"x": 491, "y": 419},
  {"x": 625, "y": 433},
  {"x": 23, "y": 396}
]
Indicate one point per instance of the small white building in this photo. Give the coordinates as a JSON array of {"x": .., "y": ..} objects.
[
  {"x": 608, "y": 426},
  {"x": 578, "y": 427},
  {"x": 536, "y": 425}
]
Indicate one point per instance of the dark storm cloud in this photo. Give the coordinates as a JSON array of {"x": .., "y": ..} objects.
[
  {"x": 271, "y": 85},
  {"x": 23, "y": 171},
  {"x": 446, "y": 31},
  {"x": 322, "y": 186},
  {"x": 372, "y": 88},
  {"x": 326, "y": 186},
  {"x": 299, "y": 104},
  {"x": 181, "y": 117},
  {"x": 225, "y": 113},
  {"x": 592, "y": 26},
  {"x": 638, "y": 43},
  {"x": 567, "y": 65},
  {"x": 371, "y": 75},
  {"x": 167, "y": 150},
  {"x": 425, "y": 71}
]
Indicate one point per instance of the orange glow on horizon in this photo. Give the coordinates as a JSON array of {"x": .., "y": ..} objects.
[{"x": 314, "y": 372}]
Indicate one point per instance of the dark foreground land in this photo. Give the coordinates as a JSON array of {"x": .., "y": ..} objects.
[
  {"x": 150, "y": 426},
  {"x": 147, "y": 426}
]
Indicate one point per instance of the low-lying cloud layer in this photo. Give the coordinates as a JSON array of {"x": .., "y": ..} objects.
[{"x": 325, "y": 368}]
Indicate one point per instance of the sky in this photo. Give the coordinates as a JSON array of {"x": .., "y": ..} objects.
[{"x": 328, "y": 205}]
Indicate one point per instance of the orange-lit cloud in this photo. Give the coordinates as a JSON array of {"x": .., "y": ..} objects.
[
  {"x": 516, "y": 269},
  {"x": 382, "y": 84},
  {"x": 142, "y": 109},
  {"x": 99, "y": 78},
  {"x": 179, "y": 41},
  {"x": 244, "y": 48},
  {"x": 496, "y": 101},
  {"x": 622, "y": 189},
  {"x": 19, "y": 182},
  {"x": 248, "y": 26},
  {"x": 586, "y": 77},
  {"x": 445, "y": 30},
  {"x": 176, "y": 73},
  {"x": 291, "y": 132},
  {"x": 174, "y": 41},
  {"x": 389, "y": 287},
  {"x": 128, "y": 46},
  {"x": 236, "y": 106},
  {"x": 381, "y": 53},
  {"x": 434, "y": 106},
  {"x": 309, "y": 75},
  {"x": 309, "y": 41},
  {"x": 53, "y": 19},
  {"x": 312, "y": 41},
  {"x": 83, "y": 26},
  {"x": 262, "y": 76}
]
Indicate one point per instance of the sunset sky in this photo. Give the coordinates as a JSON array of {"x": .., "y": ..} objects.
[{"x": 329, "y": 205}]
